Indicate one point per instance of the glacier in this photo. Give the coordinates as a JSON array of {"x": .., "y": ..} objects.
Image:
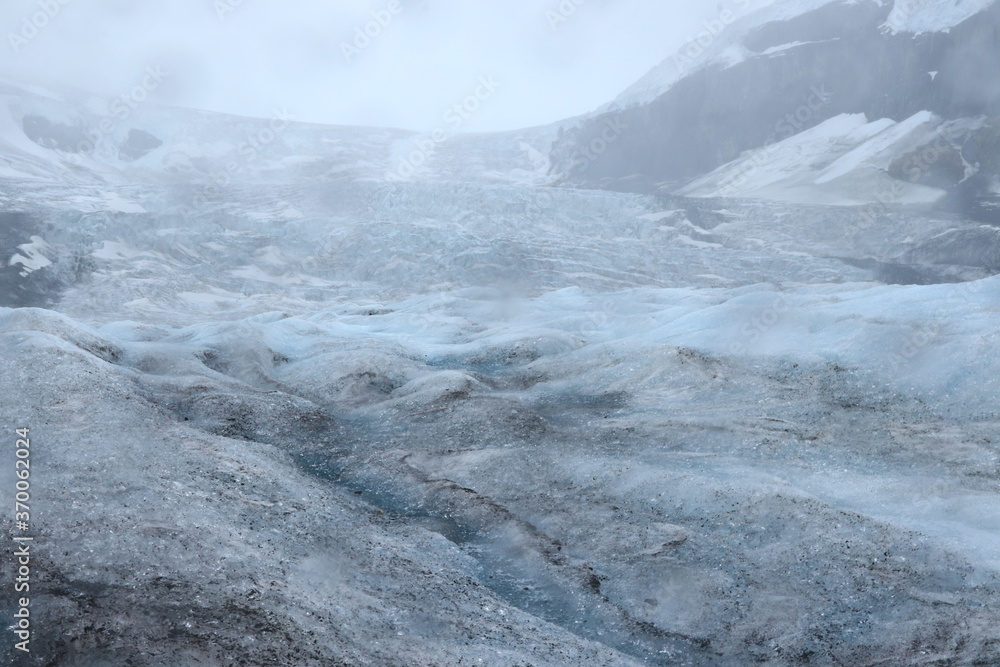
[{"x": 293, "y": 406}]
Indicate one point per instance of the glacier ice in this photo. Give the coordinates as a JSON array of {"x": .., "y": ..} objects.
[{"x": 322, "y": 415}]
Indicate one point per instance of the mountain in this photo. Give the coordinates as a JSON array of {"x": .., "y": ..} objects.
[
  {"x": 312, "y": 395},
  {"x": 882, "y": 100}
]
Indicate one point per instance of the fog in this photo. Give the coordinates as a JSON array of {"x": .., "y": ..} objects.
[
  {"x": 664, "y": 332},
  {"x": 357, "y": 62}
]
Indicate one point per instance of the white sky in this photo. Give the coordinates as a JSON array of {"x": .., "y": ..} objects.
[{"x": 252, "y": 56}]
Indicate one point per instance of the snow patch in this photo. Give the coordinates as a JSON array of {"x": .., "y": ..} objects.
[
  {"x": 785, "y": 47},
  {"x": 30, "y": 256},
  {"x": 841, "y": 161},
  {"x": 920, "y": 16},
  {"x": 887, "y": 135}
]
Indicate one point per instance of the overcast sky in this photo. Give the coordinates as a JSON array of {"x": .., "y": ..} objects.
[{"x": 548, "y": 59}]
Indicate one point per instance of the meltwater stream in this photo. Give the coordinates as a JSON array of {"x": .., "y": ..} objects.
[{"x": 528, "y": 569}]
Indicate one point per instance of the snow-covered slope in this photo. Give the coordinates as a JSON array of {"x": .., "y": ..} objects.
[
  {"x": 90, "y": 141},
  {"x": 845, "y": 160}
]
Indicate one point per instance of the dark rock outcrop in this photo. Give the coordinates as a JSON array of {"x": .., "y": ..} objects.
[
  {"x": 844, "y": 62},
  {"x": 45, "y": 133},
  {"x": 138, "y": 144}
]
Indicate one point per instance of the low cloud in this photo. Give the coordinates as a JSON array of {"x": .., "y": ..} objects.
[{"x": 247, "y": 56}]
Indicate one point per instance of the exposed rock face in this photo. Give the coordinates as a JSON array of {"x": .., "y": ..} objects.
[
  {"x": 834, "y": 60},
  {"x": 34, "y": 272},
  {"x": 82, "y": 139},
  {"x": 933, "y": 166},
  {"x": 45, "y": 133},
  {"x": 138, "y": 144}
]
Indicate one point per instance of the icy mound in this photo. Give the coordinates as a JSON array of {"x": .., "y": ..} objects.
[
  {"x": 642, "y": 470},
  {"x": 317, "y": 412}
]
